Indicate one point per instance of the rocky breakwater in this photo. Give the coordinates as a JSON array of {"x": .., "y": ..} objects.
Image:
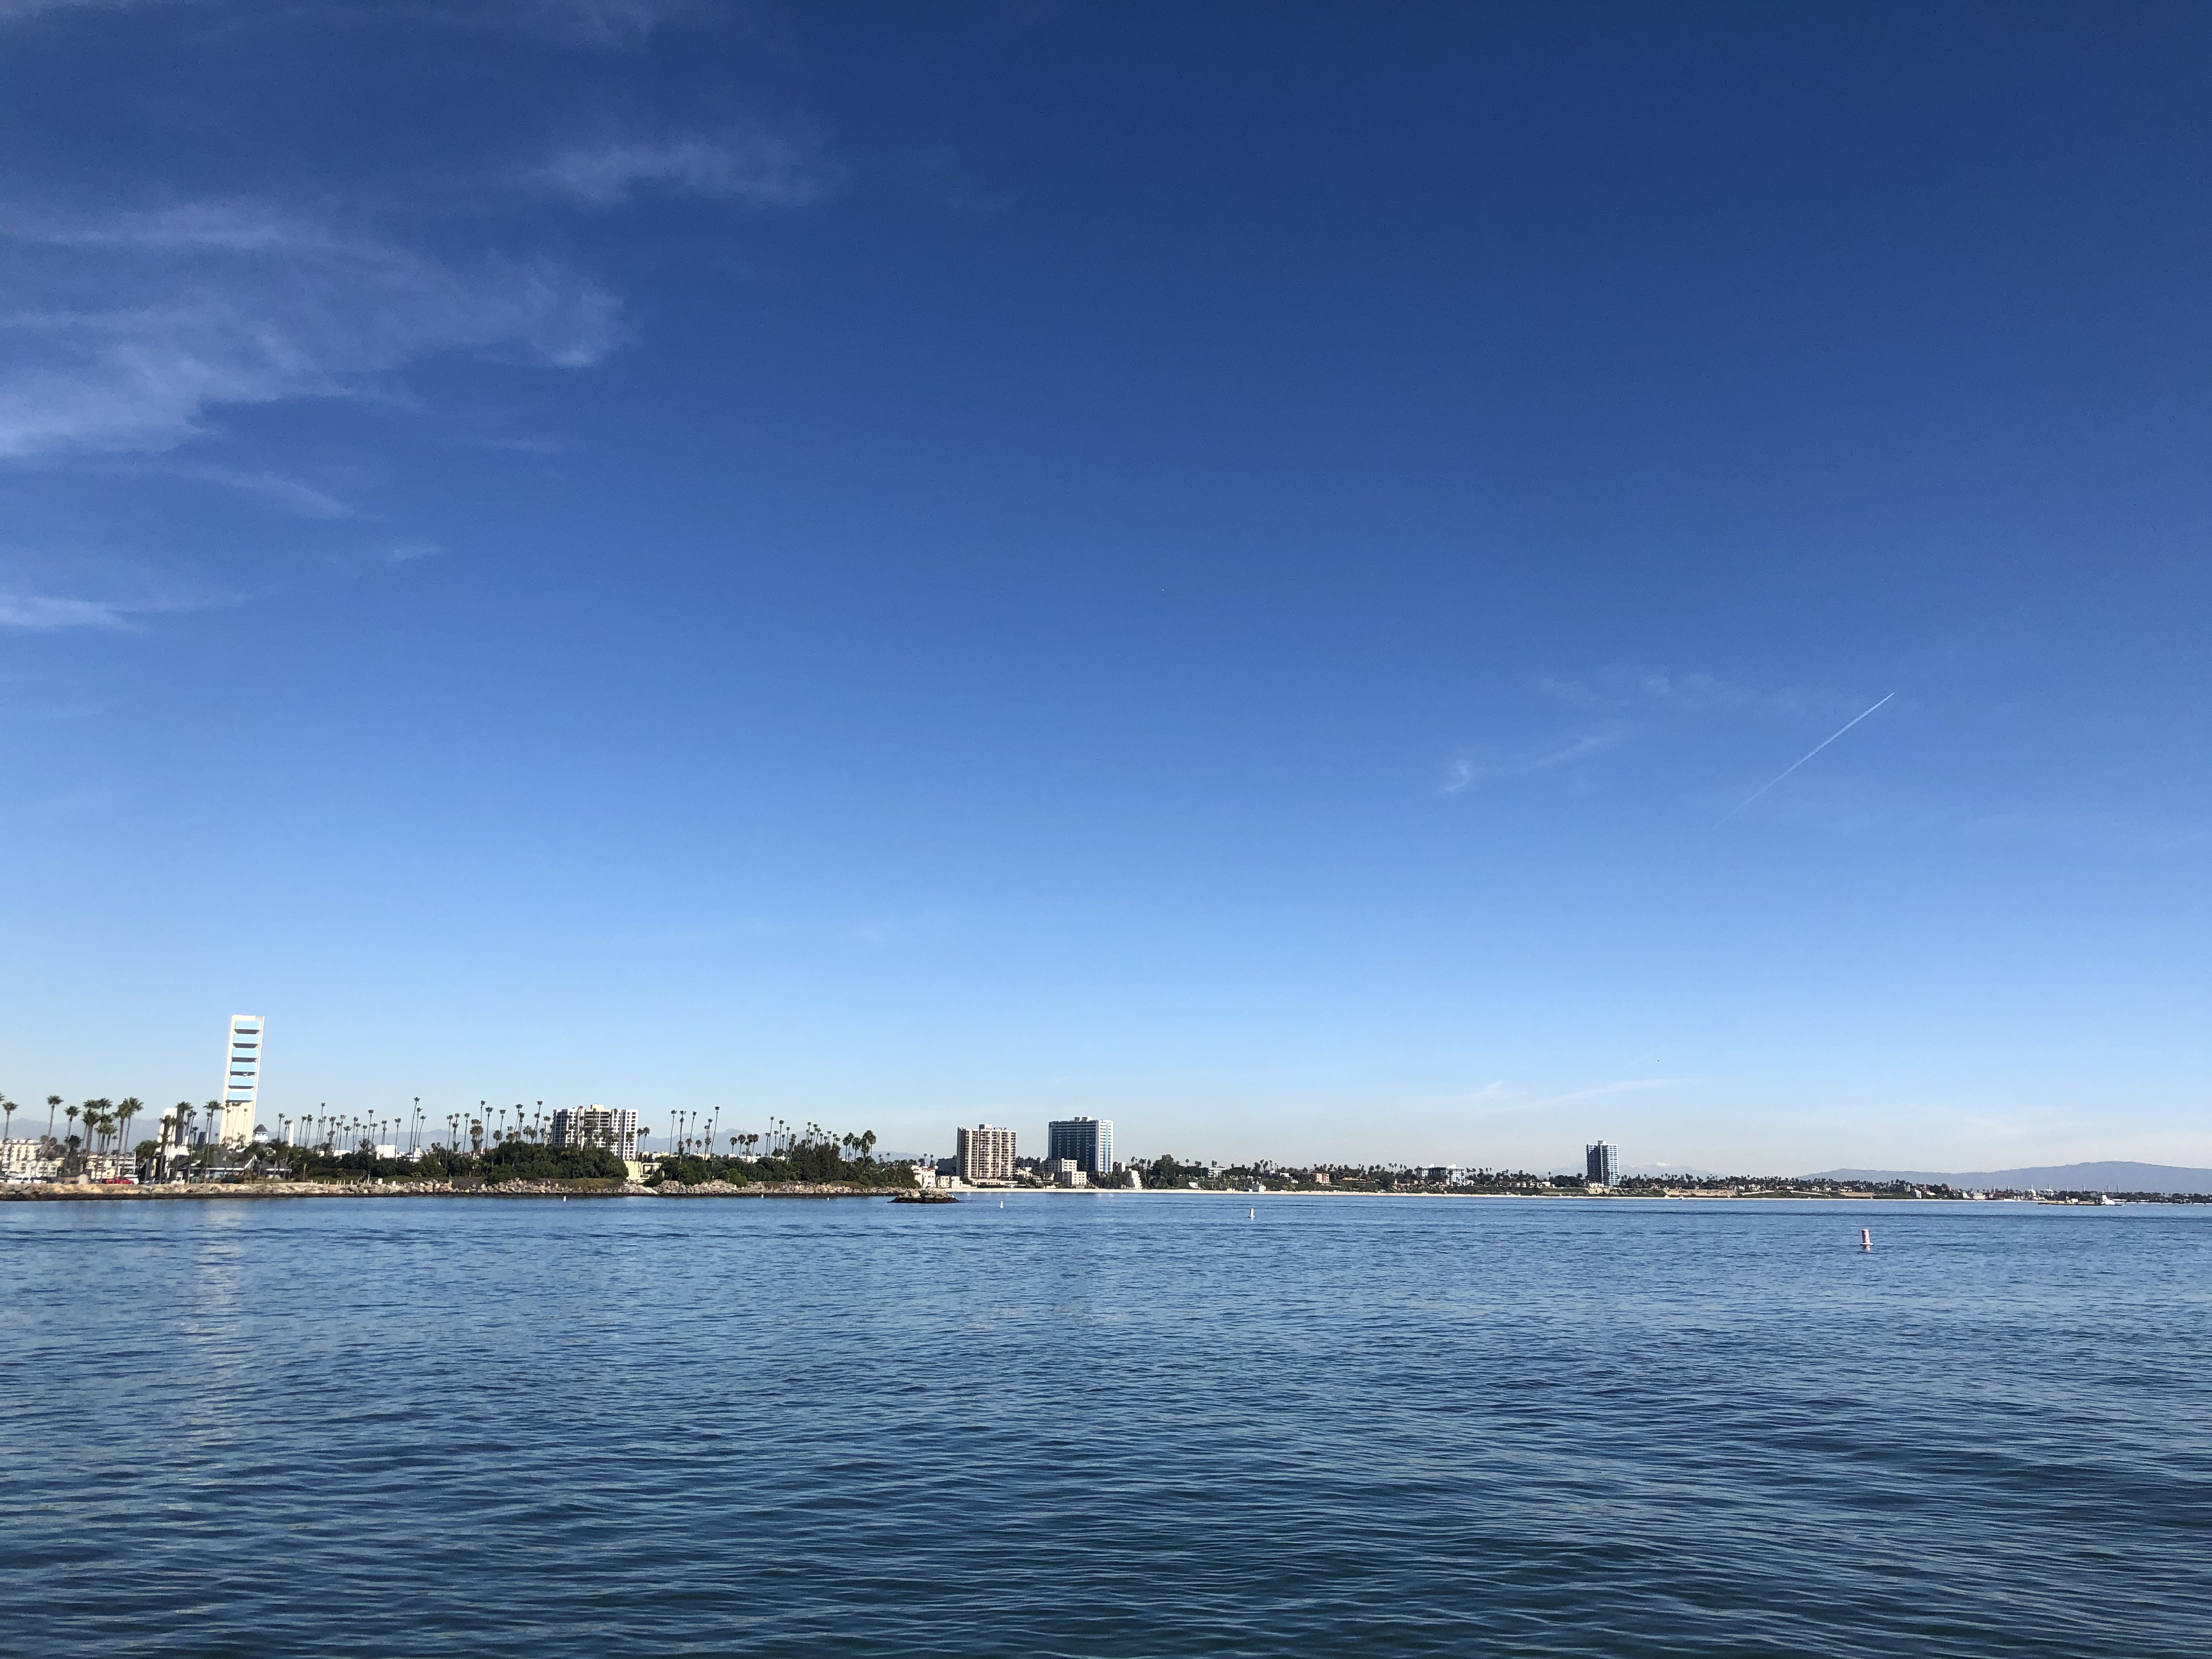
[
  {"x": 178, "y": 1191},
  {"x": 765, "y": 1189}
]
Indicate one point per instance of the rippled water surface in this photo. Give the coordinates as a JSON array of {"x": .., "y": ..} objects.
[{"x": 1109, "y": 1424}]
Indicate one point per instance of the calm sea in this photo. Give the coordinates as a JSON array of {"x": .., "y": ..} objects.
[{"x": 1104, "y": 1424}]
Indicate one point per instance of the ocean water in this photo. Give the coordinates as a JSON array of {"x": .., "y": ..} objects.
[{"x": 1109, "y": 1424}]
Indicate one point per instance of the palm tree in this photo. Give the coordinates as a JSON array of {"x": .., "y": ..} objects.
[
  {"x": 127, "y": 1109},
  {"x": 7, "y": 1123},
  {"x": 71, "y": 1115},
  {"x": 53, "y": 1104}
]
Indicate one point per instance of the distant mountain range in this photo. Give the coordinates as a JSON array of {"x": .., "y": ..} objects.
[{"x": 2062, "y": 1177}]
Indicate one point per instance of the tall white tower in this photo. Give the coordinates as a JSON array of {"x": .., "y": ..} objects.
[{"x": 241, "y": 1086}]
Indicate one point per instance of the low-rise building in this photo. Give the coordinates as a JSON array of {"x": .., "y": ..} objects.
[{"x": 27, "y": 1160}]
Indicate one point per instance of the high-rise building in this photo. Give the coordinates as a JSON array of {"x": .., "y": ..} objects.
[
  {"x": 1088, "y": 1140},
  {"x": 1601, "y": 1164},
  {"x": 241, "y": 1083},
  {"x": 613, "y": 1128},
  {"x": 985, "y": 1153}
]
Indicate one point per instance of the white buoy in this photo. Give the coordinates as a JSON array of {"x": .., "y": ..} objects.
[
  {"x": 1251, "y": 1215},
  {"x": 1866, "y": 1238}
]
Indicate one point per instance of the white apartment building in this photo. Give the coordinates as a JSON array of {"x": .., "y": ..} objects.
[
  {"x": 241, "y": 1083},
  {"x": 611, "y": 1127},
  {"x": 21, "y": 1160},
  {"x": 986, "y": 1153}
]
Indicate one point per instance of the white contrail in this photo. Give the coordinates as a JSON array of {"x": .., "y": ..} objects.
[{"x": 1808, "y": 755}]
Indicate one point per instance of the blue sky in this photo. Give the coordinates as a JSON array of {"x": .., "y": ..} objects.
[{"x": 1225, "y": 567}]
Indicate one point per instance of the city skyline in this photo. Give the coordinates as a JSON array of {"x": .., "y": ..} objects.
[{"x": 1426, "y": 585}]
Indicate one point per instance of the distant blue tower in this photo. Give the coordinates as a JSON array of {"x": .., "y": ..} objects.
[{"x": 1601, "y": 1164}]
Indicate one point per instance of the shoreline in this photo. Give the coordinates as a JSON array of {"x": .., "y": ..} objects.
[{"x": 68, "y": 1193}]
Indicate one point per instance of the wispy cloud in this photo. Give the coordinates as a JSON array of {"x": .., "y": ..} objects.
[
  {"x": 293, "y": 496},
  {"x": 127, "y": 329},
  {"x": 43, "y": 593},
  {"x": 869, "y": 933},
  {"x": 47, "y": 613},
  {"x": 747, "y": 165},
  {"x": 14, "y": 11},
  {"x": 1626, "y": 1086},
  {"x": 619, "y": 24},
  {"x": 1659, "y": 690},
  {"x": 41, "y": 612},
  {"x": 1468, "y": 769},
  {"x": 2092, "y": 831}
]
